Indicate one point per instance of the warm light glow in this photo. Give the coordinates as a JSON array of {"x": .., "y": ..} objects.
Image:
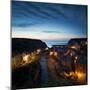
[
  {"x": 71, "y": 54},
  {"x": 55, "y": 53},
  {"x": 73, "y": 47},
  {"x": 46, "y": 48},
  {"x": 25, "y": 58},
  {"x": 33, "y": 57},
  {"x": 75, "y": 61},
  {"x": 38, "y": 51},
  {"x": 51, "y": 53},
  {"x": 81, "y": 76},
  {"x": 67, "y": 75},
  {"x": 76, "y": 57}
]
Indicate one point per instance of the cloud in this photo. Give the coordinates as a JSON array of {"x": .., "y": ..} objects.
[
  {"x": 52, "y": 20},
  {"x": 52, "y": 31},
  {"x": 22, "y": 25}
]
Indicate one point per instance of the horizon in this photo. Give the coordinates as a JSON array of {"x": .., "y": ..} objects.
[
  {"x": 50, "y": 43},
  {"x": 50, "y": 22}
]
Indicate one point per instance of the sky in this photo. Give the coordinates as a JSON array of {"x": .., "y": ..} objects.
[{"x": 48, "y": 22}]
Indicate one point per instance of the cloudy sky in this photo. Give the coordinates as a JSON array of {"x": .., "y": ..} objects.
[{"x": 47, "y": 21}]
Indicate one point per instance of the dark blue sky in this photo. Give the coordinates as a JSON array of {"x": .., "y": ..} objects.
[{"x": 48, "y": 21}]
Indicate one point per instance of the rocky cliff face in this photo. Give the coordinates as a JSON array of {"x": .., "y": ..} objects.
[{"x": 20, "y": 45}]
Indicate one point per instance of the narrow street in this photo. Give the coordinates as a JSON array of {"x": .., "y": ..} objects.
[{"x": 44, "y": 69}]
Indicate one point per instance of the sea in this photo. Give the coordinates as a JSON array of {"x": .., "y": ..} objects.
[{"x": 50, "y": 43}]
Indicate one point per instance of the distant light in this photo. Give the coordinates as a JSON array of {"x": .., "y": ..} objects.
[
  {"x": 55, "y": 53},
  {"x": 68, "y": 75},
  {"x": 79, "y": 75},
  {"x": 73, "y": 47},
  {"x": 38, "y": 51},
  {"x": 75, "y": 61},
  {"x": 71, "y": 54},
  {"x": 46, "y": 48},
  {"x": 51, "y": 53},
  {"x": 76, "y": 57}
]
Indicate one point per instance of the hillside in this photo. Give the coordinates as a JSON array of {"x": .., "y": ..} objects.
[{"x": 20, "y": 45}]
